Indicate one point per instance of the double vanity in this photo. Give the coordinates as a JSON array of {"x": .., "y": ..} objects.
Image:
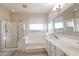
[
  {"x": 63, "y": 44},
  {"x": 65, "y": 25}
]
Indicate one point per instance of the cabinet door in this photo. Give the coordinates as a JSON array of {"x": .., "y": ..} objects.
[
  {"x": 48, "y": 49},
  {"x": 52, "y": 49},
  {"x": 58, "y": 52}
]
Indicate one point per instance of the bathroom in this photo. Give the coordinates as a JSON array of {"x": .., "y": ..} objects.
[{"x": 39, "y": 29}]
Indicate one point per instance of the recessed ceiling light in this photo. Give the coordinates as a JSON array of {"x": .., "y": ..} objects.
[
  {"x": 75, "y": 10},
  {"x": 24, "y": 5},
  {"x": 12, "y": 10}
]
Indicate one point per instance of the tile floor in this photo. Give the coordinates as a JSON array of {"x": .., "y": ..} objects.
[{"x": 32, "y": 52}]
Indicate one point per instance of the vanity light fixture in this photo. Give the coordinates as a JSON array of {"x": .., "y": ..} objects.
[{"x": 58, "y": 7}]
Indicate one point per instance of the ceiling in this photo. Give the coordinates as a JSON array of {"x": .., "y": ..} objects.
[{"x": 31, "y": 7}]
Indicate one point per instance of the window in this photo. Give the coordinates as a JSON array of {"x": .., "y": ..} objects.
[
  {"x": 24, "y": 27},
  {"x": 70, "y": 24},
  {"x": 36, "y": 26},
  {"x": 58, "y": 25},
  {"x": 50, "y": 25}
]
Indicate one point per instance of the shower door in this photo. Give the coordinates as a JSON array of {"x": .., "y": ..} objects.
[
  {"x": 11, "y": 35},
  {"x": 20, "y": 30},
  {"x": 4, "y": 33},
  {"x": 8, "y": 34},
  {"x": 2, "y": 44}
]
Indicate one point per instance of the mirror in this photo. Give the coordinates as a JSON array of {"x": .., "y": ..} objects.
[
  {"x": 58, "y": 24},
  {"x": 68, "y": 21}
]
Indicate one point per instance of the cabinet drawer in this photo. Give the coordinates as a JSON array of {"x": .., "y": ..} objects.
[
  {"x": 58, "y": 52},
  {"x": 52, "y": 49}
]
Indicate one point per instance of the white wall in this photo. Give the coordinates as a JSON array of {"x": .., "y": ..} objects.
[{"x": 4, "y": 13}]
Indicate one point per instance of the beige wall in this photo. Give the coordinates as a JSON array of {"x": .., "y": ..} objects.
[
  {"x": 21, "y": 16},
  {"x": 4, "y": 13}
]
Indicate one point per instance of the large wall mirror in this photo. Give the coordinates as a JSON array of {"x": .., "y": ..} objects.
[{"x": 68, "y": 21}]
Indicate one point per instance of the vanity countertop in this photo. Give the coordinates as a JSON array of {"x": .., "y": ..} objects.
[{"x": 66, "y": 44}]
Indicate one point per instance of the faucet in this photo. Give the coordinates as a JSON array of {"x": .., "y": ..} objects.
[{"x": 55, "y": 36}]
